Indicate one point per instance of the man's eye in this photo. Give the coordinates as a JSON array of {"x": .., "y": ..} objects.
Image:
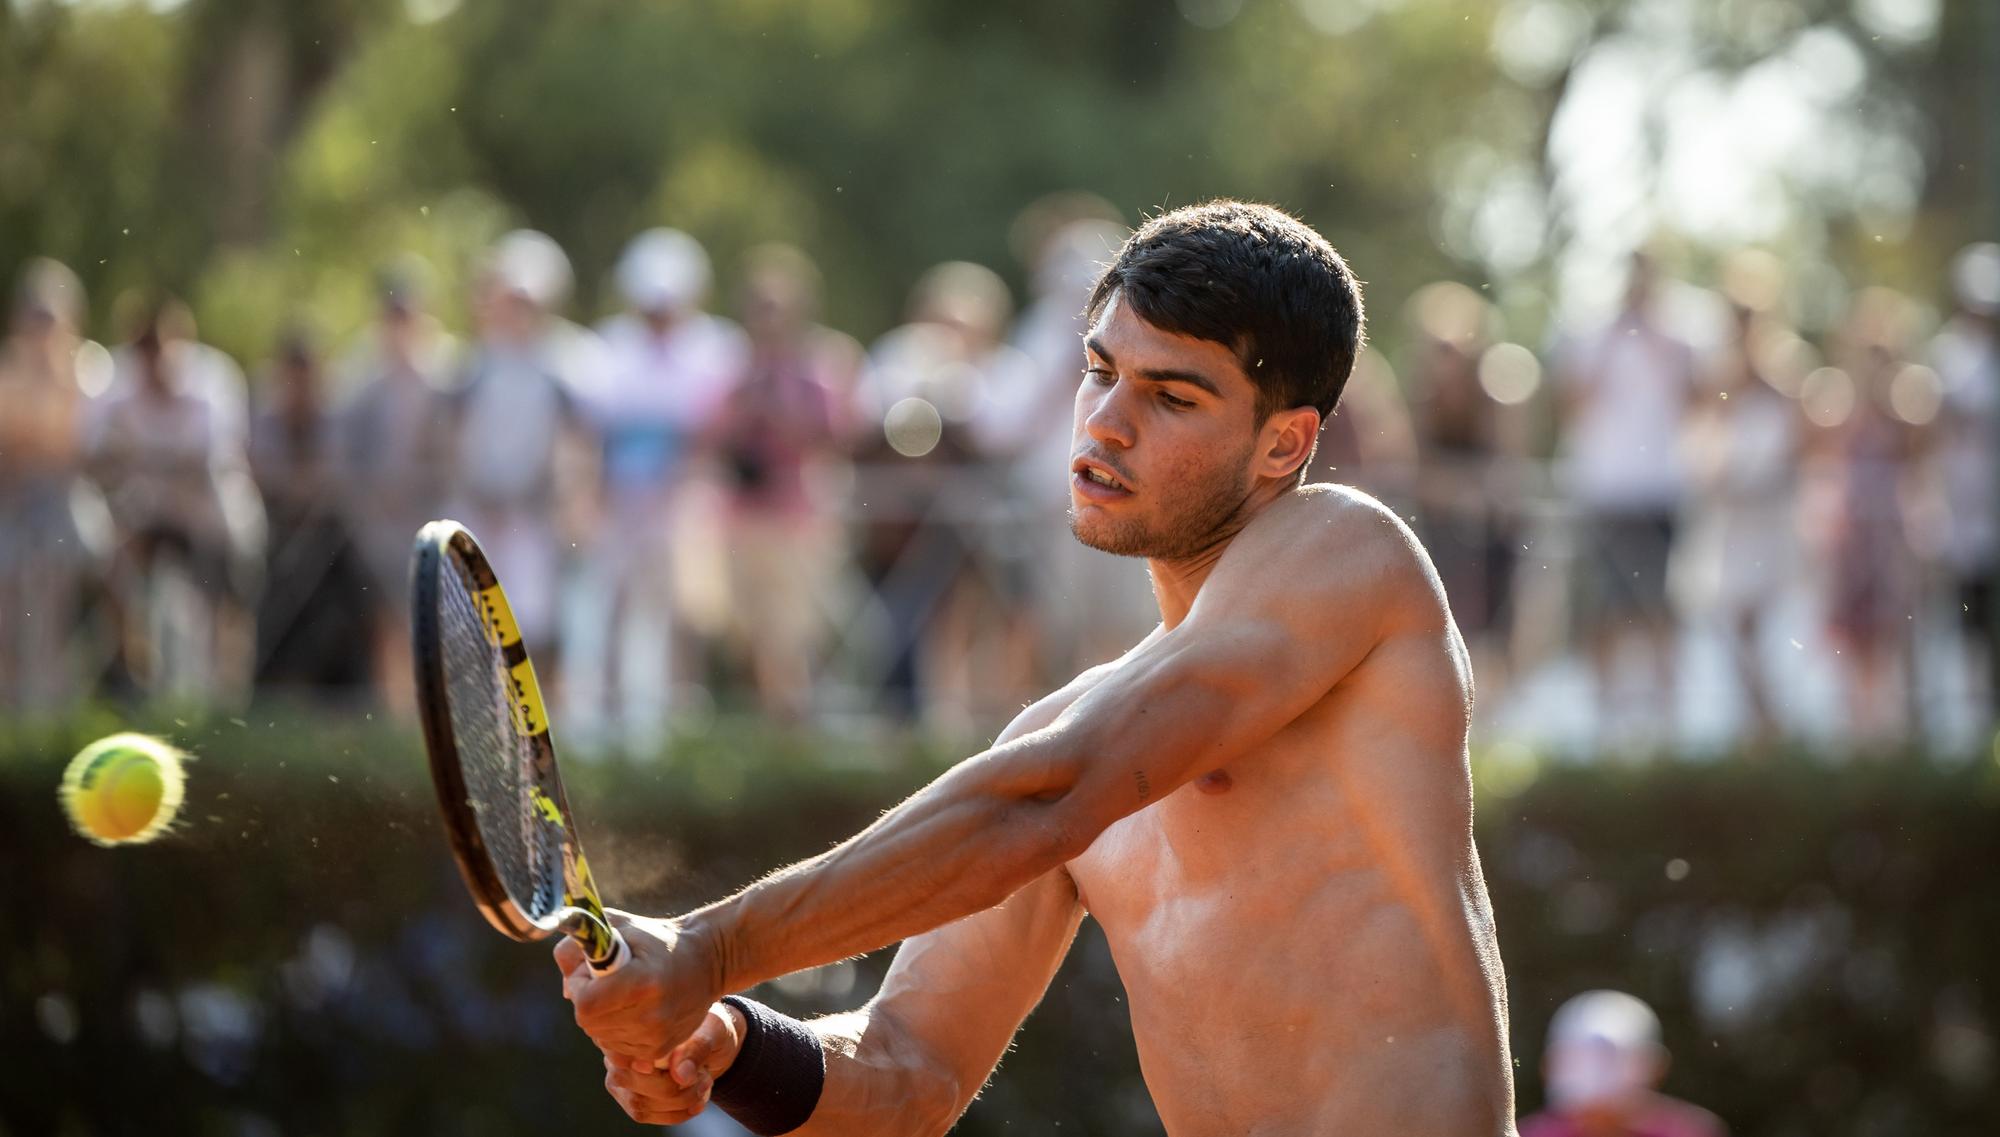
[
  {"x": 1098, "y": 375},
  {"x": 1177, "y": 404}
]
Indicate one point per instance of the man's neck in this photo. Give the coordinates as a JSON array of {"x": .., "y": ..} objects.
[{"x": 1178, "y": 580}]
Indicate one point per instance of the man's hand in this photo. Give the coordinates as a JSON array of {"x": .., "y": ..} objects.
[
  {"x": 656, "y": 1001},
  {"x": 672, "y": 1095}
]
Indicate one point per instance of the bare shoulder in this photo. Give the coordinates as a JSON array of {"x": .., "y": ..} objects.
[{"x": 1331, "y": 542}]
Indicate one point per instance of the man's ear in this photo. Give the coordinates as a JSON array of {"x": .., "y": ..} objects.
[{"x": 1286, "y": 443}]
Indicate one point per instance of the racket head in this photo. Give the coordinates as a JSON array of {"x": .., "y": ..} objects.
[{"x": 492, "y": 759}]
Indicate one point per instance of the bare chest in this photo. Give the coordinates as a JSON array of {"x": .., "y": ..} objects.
[{"x": 1222, "y": 848}]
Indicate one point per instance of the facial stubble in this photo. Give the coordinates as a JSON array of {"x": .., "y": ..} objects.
[{"x": 1212, "y": 504}]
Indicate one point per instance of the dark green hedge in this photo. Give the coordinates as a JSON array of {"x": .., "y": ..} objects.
[{"x": 299, "y": 958}]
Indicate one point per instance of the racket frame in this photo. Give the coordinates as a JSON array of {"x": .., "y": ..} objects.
[{"x": 439, "y": 544}]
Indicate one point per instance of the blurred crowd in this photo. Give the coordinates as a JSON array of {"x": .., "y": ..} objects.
[{"x": 714, "y": 498}]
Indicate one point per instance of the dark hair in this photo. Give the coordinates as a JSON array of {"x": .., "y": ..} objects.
[{"x": 1254, "y": 279}]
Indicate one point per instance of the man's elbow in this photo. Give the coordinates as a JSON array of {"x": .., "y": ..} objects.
[
  {"x": 935, "y": 1104},
  {"x": 925, "y": 1096},
  {"x": 1043, "y": 811}
]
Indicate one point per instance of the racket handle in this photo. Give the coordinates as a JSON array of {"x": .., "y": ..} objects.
[{"x": 620, "y": 954}]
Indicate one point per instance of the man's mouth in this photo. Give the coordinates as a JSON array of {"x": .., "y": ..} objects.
[{"x": 1091, "y": 474}]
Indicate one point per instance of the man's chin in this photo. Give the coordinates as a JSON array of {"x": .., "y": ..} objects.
[{"x": 1104, "y": 538}]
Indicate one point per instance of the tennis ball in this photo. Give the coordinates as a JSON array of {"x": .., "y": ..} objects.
[{"x": 123, "y": 790}]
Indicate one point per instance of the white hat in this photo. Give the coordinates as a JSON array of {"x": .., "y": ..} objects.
[
  {"x": 1614, "y": 1017},
  {"x": 532, "y": 264},
  {"x": 1603, "y": 1046},
  {"x": 663, "y": 270},
  {"x": 1975, "y": 278}
]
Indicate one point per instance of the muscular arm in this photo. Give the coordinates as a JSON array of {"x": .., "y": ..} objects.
[
  {"x": 1298, "y": 599},
  {"x": 913, "y": 1058}
]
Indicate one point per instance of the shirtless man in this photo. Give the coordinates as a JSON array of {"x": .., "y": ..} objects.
[{"x": 1266, "y": 803}]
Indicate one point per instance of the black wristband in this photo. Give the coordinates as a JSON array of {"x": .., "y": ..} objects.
[{"x": 775, "y": 1082}]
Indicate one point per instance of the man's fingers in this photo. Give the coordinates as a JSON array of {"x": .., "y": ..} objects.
[
  {"x": 688, "y": 1059},
  {"x": 597, "y": 995},
  {"x": 653, "y": 1096},
  {"x": 636, "y": 1051},
  {"x": 569, "y": 953},
  {"x": 693, "y": 1057}
]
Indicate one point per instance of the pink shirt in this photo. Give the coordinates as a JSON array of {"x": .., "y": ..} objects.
[{"x": 1659, "y": 1116}]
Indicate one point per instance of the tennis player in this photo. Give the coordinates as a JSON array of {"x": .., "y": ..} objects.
[{"x": 1266, "y": 803}]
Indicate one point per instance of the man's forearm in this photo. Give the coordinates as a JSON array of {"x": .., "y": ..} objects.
[{"x": 961, "y": 845}]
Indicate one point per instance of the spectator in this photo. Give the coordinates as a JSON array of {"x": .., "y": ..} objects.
[
  {"x": 1626, "y": 389},
  {"x": 315, "y": 617},
  {"x": 1872, "y": 452},
  {"x": 669, "y": 368},
  {"x": 933, "y": 384},
  {"x": 200, "y": 371},
  {"x": 1369, "y": 441},
  {"x": 1468, "y": 445},
  {"x": 45, "y": 558},
  {"x": 1030, "y": 422},
  {"x": 1602, "y": 1071},
  {"x": 1085, "y": 606},
  {"x": 1966, "y": 354},
  {"x": 165, "y": 444},
  {"x": 779, "y": 432},
  {"x": 393, "y": 439},
  {"x": 520, "y": 441},
  {"x": 1740, "y": 558}
]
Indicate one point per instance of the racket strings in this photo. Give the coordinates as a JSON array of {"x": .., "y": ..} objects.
[{"x": 496, "y": 760}]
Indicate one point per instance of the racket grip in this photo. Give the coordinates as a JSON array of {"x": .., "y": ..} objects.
[{"x": 617, "y": 959}]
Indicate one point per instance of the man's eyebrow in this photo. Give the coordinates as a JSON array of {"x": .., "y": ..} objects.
[{"x": 1157, "y": 374}]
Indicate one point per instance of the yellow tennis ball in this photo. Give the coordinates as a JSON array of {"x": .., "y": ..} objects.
[{"x": 124, "y": 790}]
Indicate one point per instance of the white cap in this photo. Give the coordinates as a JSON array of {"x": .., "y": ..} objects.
[
  {"x": 1623, "y": 1021},
  {"x": 663, "y": 270},
  {"x": 1975, "y": 278},
  {"x": 532, "y": 264},
  {"x": 1604, "y": 1046}
]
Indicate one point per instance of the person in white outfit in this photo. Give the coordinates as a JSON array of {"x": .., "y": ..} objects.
[
  {"x": 520, "y": 438},
  {"x": 669, "y": 368},
  {"x": 1626, "y": 393},
  {"x": 1740, "y": 557}
]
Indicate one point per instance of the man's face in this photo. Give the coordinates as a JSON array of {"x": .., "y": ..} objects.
[{"x": 1170, "y": 421}]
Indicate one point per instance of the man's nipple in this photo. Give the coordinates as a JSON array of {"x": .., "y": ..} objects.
[{"x": 1214, "y": 782}]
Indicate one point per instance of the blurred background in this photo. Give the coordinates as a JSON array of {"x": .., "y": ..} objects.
[{"x": 745, "y": 336}]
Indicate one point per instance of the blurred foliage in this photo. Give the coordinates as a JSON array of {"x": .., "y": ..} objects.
[
  {"x": 299, "y": 956},
  {"x": 266, "y": 156}
]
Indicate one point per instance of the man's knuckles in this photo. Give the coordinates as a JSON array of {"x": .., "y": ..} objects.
[{"x": 637, "y": 1092}]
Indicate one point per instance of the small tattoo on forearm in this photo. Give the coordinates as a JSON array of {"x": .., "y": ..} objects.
[{"x": 1145, "y": 787}]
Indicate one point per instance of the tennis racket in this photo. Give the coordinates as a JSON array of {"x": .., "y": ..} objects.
[{"x": 492, "y": 761}]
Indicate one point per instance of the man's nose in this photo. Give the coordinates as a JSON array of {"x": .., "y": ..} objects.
[{"x": 1105, "y": 415}]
